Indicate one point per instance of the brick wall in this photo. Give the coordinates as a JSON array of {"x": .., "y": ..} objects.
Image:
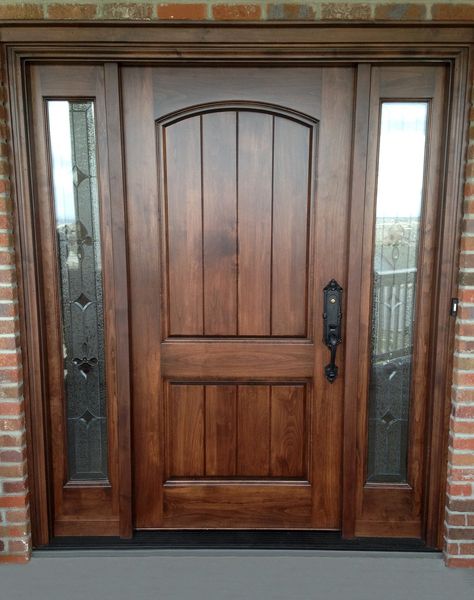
[
  {"x": 459, "y": 549},
  {"x": 14, "y": 526},
  {"x": 14, "y": 521}
]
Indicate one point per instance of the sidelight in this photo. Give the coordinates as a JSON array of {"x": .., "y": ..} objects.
[
  {"x": 399, "y": 209},
  {"x": 72, "y": 139}
]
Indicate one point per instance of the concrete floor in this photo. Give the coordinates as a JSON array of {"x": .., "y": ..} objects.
[{"x": 236, "y": 575}]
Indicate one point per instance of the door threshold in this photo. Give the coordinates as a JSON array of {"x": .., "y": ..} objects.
[{"x": 238, "y": 540}]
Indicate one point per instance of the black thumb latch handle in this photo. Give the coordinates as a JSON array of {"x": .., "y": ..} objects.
[{"x": 332, "y": 317}]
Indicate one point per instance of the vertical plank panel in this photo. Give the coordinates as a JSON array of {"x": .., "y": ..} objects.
[
  {"x": 219, "y": 155},
  {"x": 221, "y": 431},
  {"x": 255, "y": 133},
  {"x": 182, "y": 156},
  {"x": 253, "y": 440},
  {"x": 287, "y": 431},
  {"x": 290, "y": 225},
  {"x": 186, "y": 430}
]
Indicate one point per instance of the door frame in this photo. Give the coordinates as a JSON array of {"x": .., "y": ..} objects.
[{"x": 225, "y": 44}]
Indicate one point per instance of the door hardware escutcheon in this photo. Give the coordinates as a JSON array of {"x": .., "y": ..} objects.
[{"x": 332, "y": 317}]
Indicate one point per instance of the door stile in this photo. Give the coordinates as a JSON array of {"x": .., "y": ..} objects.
[
  {"x": 354, "y": 350},
  {"x": 121, "y": 341}
]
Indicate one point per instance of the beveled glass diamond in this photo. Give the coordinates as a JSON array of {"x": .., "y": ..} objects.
[
  {"x": 83, "y": 302},
  {"x": 87, "y": 416}
]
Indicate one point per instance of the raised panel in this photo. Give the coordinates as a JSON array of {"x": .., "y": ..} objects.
[
  {"x": 186, "y": 450},
  {"x": 237, "y": 187},
  {"x": 184, "y": 225},
  {"x": 236, "y": 430},
  {"x": 287, "y": 431},
  {"x": 290, "y": 228}
]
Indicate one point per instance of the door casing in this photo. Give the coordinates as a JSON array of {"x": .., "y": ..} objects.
[{"x": 194, "y": 44}]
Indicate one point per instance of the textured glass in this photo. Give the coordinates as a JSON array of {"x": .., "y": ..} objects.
[
  {"x": 74, "y": 171},
  {"x": 397, "y": 235}
]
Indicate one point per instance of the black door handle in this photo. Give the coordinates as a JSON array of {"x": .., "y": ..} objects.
[{"x": 332, "y": 317}]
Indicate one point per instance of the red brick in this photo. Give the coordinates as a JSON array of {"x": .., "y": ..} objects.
[
  {"x": 12, "y": 470},
  {"x": 468, "y": 189},
  {"x": 12, "y": 456},
  {"x": 12, "y": 392},
  {"x": 456, "y": 489},
  {"x": 460, "y": 460},
  {"x": 461, "y": 533},
  {"x": 72, "y": 11},
  {"x": 463, "y": 362},
  {"x": 454, "y": 519},
  {"x": 11, "y": 359},
  {"x": 21, "y": 11},
  {"x": 466, "y": 312},
  {"x": 11, "y": 408},
  {"x": 124, "y": 10},
  {"x": 11, "y": 424},
  {"x": 13, "y": 502},
  {"x": 467, "y": 243},
  {"x": 14, "y": 487},
  {"x": 4, "y": 186},
  {"x": 469, "y": 206},
  {"x": 10, "y": 343},
  {"x": 346, "y": 11},
  {"x": 16, "y": 546},
  {"x": 465, "y": 412},
  {"x": 236, "y": 12},
  {"x": 17, "y": 516},
  {"x": 466, "y": 549},
  {"x": 4, "y": 149},
  {"x": 466, "y": 260},
  {"x": 182, "y": 12},
  {"x": 470, "y": 166},
  {"x": 11, "y": 441},
  {"x": 453, "y": 12},
  {"x": 14, "y": 558},
  {"x": 462, "y": 506},
  {"x": 289, "y": 12},
  {"x": 8, "y": 275},
  {"x": 462, "y": 426},
  {"x": 470, "y": 151},
  {"x": 6, "y": 204},
  {"x": 459, "y": 377},
  {"x": 400, "y": 12},
  {"x": 14, "y": 531},
  {"x": 459, "y": 443},
  {"x": 11, "y": 375},
  {"x": 467, "y": 295}
]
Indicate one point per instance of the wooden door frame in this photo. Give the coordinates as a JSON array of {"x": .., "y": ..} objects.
[{"x": 224, "y": 44}]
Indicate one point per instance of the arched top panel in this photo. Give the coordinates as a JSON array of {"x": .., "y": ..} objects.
[
  {"x": 237, "y": 106},
  {"x": 237, "y": 199}
]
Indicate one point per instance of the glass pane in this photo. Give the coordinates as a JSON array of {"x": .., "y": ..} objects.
[
  {"x": 397, "y": 236},
  {"x": 74, "y": 171}
]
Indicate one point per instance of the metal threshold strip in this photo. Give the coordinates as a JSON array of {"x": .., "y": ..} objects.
[{"x": 237, "y": 540}]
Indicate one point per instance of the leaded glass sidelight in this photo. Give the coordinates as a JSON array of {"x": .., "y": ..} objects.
[
  {"x": 399, "y": 207},
  {"x": 74, "y": 174}
]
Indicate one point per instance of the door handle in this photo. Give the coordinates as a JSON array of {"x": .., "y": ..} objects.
[{"x": 332, "y": 317}]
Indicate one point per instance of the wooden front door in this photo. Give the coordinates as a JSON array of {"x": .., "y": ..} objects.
[
  {"x": 189, "y": 221},
  {"x": 238, "y": 191}
]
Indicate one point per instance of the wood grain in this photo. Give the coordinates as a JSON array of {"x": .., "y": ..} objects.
[
  {"x": 182, "y": 163},
  {"x": 186, "y": 426},
  {"x": 221, "y": 430},
  {"x": 290, "y": 228},
  {"x": 255, "y": 185},
  {"x": 219, "y": 164},
  {"x": 253, "y": 417}
]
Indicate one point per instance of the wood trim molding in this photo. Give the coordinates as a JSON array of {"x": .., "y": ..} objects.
[{"x": 210, "y": 43}]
